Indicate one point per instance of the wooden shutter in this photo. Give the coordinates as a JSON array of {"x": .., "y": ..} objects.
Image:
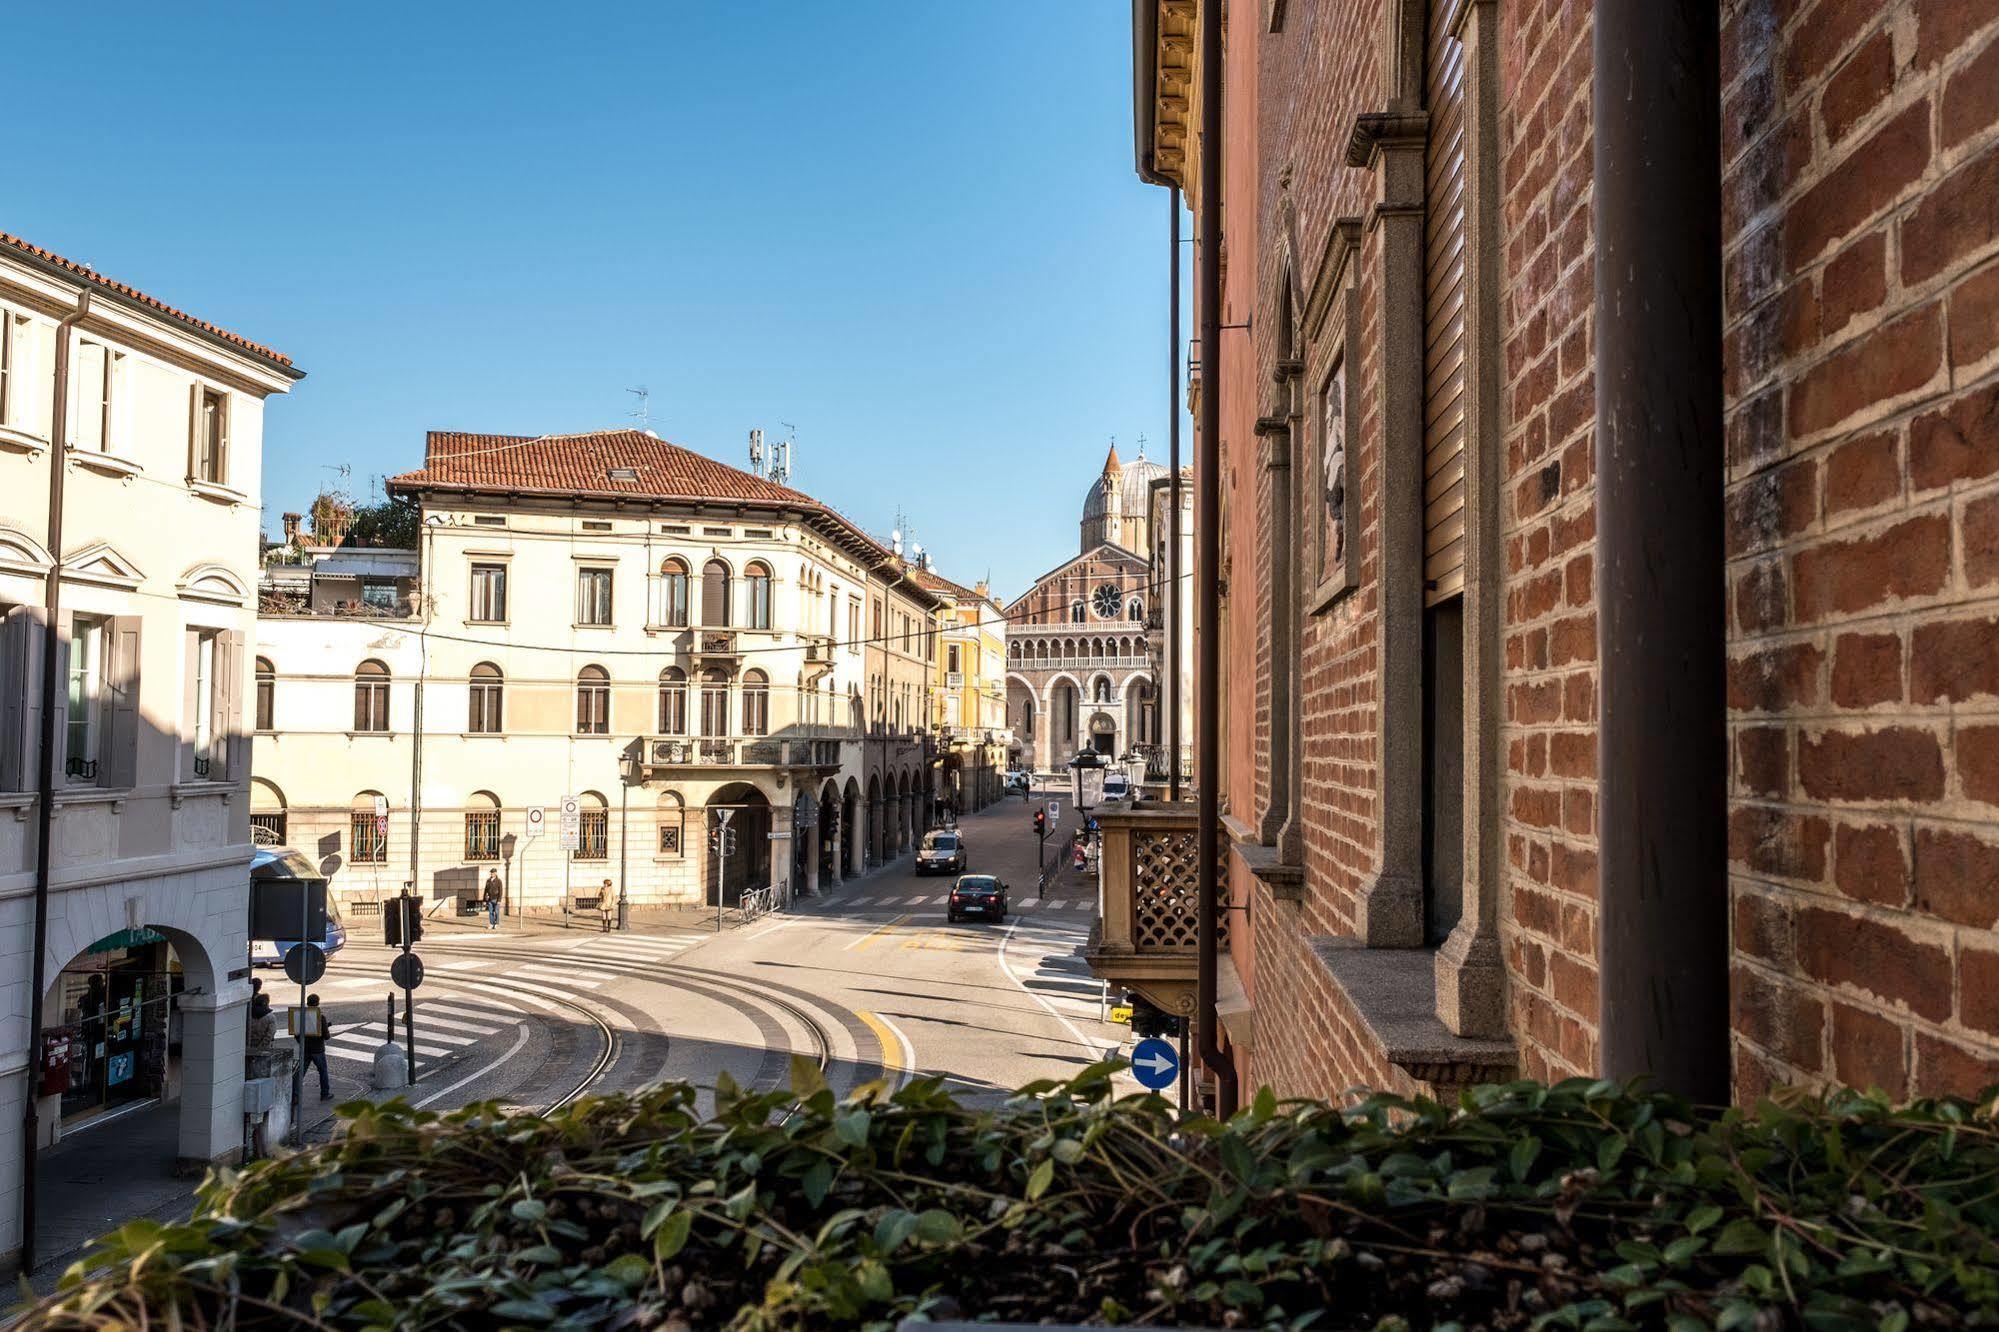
[
  {"x": 118, "y": 752},
  {"x": 21, "y": 734},
  {"x": 189, "y": 703},
  {"x": 1444, "y": 307},
  {"x": 229, "y": 707},
  {"x": 193, "y": 431}
]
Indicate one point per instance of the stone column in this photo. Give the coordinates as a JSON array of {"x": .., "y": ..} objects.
[
  {"x": 812, "y": 861},
  {"x": 211, "y": 1069}
]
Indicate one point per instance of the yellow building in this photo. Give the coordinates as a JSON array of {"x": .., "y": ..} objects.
[{"x": 968, "y": 693}]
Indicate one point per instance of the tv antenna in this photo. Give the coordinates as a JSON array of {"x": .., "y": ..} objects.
[
  {"x": 772, "y": 462},
  {"x": 643, "y": 412}
]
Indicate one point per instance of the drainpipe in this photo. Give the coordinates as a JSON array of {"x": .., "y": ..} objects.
[
  {"x": 1661, "y": 747},
  {"x": 1208, "y": 559},
  {"x": 45, "y": 757},
  {"x": 1173, "y": 502}
]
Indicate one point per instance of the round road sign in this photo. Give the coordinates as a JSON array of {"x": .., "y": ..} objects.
[
  {"x": 305, "y": 963},
  {"x": 1155, "y": 1064},
  {"x": 407, "y": 970}
]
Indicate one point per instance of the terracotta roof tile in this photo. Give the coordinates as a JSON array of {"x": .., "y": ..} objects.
[
  {"x": 930, "y": 581},
  {"x": 583, "y": 464},
  {"x": 74, "y": 269}
]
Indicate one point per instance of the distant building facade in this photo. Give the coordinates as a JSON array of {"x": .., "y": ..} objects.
[
  {"x": 968, "y": 717},
  {"x": 611, "y": 618},
  {"x": 151, "y": 847},
  {"x": 1079, "y": 675}
]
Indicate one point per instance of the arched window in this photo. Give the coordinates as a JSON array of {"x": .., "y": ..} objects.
[
  {"x": 1135, "y": 610},
  {"x": 673, "y": 593},
  {"x": 484, "y": 712},
  {"x": 714, "y": 702},
  {"x": 673, "y": 701},
  {"x": 756, "y": 703},
  {"x": 267, "y": 813},
  {"x": 482, "y": 826},
  {"x": 593, "y": 701},
  {"x": 1076, "y": 611},
  {"x": 757, "y": 580},
  {"x": 671, "y": 815},
  {"x": 593, "y": 828},
  {"x": 267, "y": 693},
  {"x": 715, "y": 595},
  {"x": 371, "y": 697},
  {"x": 368, "y": 830}
]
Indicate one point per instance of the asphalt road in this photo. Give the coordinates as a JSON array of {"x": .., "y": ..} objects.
[{"x": 868, "y": 979}]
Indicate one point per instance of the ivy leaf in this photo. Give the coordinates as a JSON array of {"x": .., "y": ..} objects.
[
  {"x": 1702, "y": 1217},
  {"x": 807, "y": 1078},
  {"x": 1741, "y": 1237},
  {"x": 628, "y": 1270},
  {"x": 817, "y": 1183},
  {"x": 671, "y": 1237},
  {"x": 1038, "y": 1181}
]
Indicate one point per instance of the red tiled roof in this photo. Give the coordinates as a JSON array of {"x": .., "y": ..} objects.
[
  {"x": 74, "y": 269},
  {"x": 935, "y": 582},
  {"x": 582, "y": 464}
]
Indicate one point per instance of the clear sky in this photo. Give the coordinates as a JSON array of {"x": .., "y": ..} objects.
[{"x": 910, "y": 228}]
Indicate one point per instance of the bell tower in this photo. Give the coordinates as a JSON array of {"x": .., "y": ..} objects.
[{"x": 1113, "y": 483}]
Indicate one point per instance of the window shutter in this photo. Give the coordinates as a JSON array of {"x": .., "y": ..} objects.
[
  {"x": 1444, "y": 308},
  {"x": 193, "y": 431},
  {"x": 119, "y": 754},
  {"x": 189, "y": 703},
  {"x": 229, "y": 707},
  {"x": 21, "y": 644}
]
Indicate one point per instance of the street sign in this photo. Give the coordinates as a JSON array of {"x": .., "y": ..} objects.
[
  {"x": 537, "y": 821},
  {"x": 407, "y": 970},
  {"x": 305, "y": 963},
  {"x": 381, "y": 816},
  {"x": 1054, "y": 810},
  {"x": 1155, "y": 1064},
  {"x": 572, "y": 824}
]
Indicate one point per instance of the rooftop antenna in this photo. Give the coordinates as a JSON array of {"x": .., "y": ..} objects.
[
  {"x": 782, "y": 474},
  {"x": 895, "y": 536},
  {"x": 756, "y": 451},
  {"x": 771, "y": 462},
  {"x": 643, "y": 412}
]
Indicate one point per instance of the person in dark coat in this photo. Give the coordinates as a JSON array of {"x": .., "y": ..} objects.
[
  {"x": 317, "y": 1029},
  {"x": 492, "y": 895}
]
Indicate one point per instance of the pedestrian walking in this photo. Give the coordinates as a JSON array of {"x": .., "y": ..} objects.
[
  {"x": 604, "y": 906},
  {"x": 317, "y": 1029},
  {"x": 493, "y": 894}
]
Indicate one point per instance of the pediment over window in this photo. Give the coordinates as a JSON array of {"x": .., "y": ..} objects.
[
  {"x": 213, "y": 582},
  {"x": 101, "y": 564},
  {"x": 22, "y": 554}
]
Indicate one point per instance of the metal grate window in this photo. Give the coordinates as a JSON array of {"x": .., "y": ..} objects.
[
  {"x": 482, "y": 834},
  {"x": 594, "y": 835},
  {"x": 368, "y": 843}
]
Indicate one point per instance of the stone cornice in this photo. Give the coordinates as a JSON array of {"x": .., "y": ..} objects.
[{"x": 1374, "y": 131}]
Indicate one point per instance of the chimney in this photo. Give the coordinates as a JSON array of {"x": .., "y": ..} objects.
[{"x": 291, "y": 522}]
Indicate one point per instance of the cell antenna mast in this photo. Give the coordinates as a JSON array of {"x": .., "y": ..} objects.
[
  {"x": 643, "y": 412},
  {"x": 772, "y": 462},
  {"x": 756, "y": 451}
]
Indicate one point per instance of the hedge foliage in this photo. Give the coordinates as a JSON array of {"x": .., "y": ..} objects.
[{"x": 1581, "y": 1205}]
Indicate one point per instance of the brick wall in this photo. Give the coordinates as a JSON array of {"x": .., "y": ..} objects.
[
  {"x": 1862, "y": 214},
  {"x": 1548, "y": 923}
]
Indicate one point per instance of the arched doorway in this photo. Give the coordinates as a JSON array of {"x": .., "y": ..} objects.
[
  {"x": 850, "y": 814},
  {"x": 267, "y": 813},
  {"x": 1103, "y": 733},
  {"x": 877, "y": 820},
  {"x": 831, "y": 833},
  {"x": 748, "y": 862}
]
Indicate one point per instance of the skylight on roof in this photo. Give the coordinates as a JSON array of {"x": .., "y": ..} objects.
[{"x": 623, "y": 474}]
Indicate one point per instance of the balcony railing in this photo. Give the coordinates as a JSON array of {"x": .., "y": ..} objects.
[
  {"x": 669, "y": 752},
  {"x": 1149, "y": 892}
]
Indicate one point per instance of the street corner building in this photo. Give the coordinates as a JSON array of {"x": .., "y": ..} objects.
[
  {"x": 1597, "y": 476},
  {"x": 681, "y": 647},
  {"x": 1085, "y": 641},
  {"x": 131, "y": 437}
]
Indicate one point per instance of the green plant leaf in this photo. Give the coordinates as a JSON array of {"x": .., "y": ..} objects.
[{"x": 671, "y": 1237}]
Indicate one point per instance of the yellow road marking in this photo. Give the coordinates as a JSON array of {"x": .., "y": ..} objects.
[
  {"x": 867, "y": 940},
  {"x": 896, "y": 1055},
  {"x": 937, "y": 940}
]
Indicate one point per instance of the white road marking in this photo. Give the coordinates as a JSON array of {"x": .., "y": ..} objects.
[
  {"x": 453, "y": 1019},
  {"x": 570, "y": 976},
  {"x": 1042, "y": 999},
  {"x": 519, "y": 1041}
]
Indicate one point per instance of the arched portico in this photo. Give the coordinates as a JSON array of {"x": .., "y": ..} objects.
[{"x": 748, "y": 863}]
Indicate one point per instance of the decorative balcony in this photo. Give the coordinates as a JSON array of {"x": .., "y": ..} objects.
[
  {"x": 680, "y": 753},
  {"x": 818, "y": 649},
  {"x": 717, "y": 645},
  {"x": 1148, "y": 922}
]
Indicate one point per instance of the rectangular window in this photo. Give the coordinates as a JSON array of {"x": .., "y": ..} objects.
[
  {"x": 715, "y": 710},
  {"x": 205, "y": 741},
  {"x": 368, "y": 841},
  {"x": 590, "y": 526},
  {"x": 593, "y": 596},
  {"x": 489, "y": 593},
  {"x": 593, "y": 707},
  {"x": 90, "y": 396},
  {"x": 594, "y": 835},
  {"x": 951, "y": 658},
  {"x": 267, "y": 699},
  {"x": 756, "y": 711},
  {"x": 669, "y": 839},
  {"x": 673, "y": 709},
  {"x": 484, "y": 715},
  {"x": 378, "y": 595},
  {"x": 84, "y": 701},
  {"x": 482, "y": 834},
  {"x": 8, "y": 322},
  {"x": 489, "y": 520},
  {"x": 211, "y": 436},
  {"x": 853, "y": 624}
]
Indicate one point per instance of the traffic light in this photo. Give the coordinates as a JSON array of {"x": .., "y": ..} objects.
[
  {"x": 1041, "y": 822},
  {"x": 392, "y": 920}
]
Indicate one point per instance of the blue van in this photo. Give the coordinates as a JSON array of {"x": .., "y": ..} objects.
[{"x": 280, "y": 863}]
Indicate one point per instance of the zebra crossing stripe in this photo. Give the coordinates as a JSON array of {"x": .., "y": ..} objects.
[{"x": 454, "y": 1019}]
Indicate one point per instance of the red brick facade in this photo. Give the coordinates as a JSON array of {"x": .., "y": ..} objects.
[{"x": 1860, "y": 179}]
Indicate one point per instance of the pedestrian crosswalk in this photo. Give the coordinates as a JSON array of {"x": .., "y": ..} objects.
[
  {"x": 444, "y": 1027},
  {"x": 901, "y": 900}
]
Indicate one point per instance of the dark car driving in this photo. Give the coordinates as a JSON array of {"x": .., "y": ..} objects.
[{"x": 976, "y": 895}]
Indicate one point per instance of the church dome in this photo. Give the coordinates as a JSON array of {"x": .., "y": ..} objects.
[{"x": 1133, "y": 480}]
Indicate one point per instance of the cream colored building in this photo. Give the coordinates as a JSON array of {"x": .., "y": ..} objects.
[
  {"x": 614, "y": 619},
  {"x": 146, "y": 955},
  {"x": 968, "y": 717}
]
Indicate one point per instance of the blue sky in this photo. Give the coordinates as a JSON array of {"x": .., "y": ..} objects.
[{"x": 910, "y": 228}]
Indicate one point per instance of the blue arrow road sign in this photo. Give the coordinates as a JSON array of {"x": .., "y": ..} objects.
[{"x": 1155, "y": 1064}]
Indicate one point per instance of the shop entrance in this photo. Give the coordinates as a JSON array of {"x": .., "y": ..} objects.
[{"x": 114, "y": 1042}]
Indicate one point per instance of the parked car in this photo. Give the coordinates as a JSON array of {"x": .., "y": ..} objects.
[
  {"x": 1117, "y": 786},
  {"x": 942, "y": 852},
  {"x": 976, "y": 895},
  {"x": 1018, "y": 781}
]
